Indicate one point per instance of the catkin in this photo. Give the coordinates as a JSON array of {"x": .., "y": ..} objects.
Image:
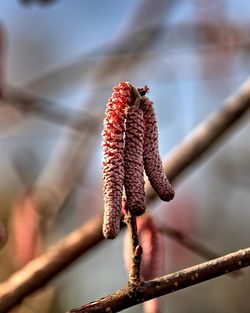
[
  {"x": 133, "y": 158},
  {"x": 151, "y": 156},
  {"x": 113, "y": 158}
]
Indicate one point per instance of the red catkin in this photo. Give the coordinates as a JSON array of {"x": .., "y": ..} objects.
[
  {"x": 133, "y": 158},
  {"x": 113, "y": 158},
  {"x": 152, "y": 161}
]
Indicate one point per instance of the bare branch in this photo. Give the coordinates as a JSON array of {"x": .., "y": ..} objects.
[
  {"x": 41, "y": 270},
  {"x": 123, "y": 298}
]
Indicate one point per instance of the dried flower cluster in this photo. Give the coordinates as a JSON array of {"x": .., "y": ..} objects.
[{"x": 130, "y": 145}]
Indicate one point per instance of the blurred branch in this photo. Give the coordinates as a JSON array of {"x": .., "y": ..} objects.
[
  {"x": 142, "y": 31},
  {"x": 124, "y": 298},
  {"x": 39, "y": 271},
  {"x": 203, "y": 36},
  {"x": 188, "y": 242},
  {"x": 47, "y": 109},
  {"x": 191, "y": 244}
]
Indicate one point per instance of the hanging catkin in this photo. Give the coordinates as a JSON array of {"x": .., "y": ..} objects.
[
  {"x": 133, "y": 157},
  {"x": 152, "y": 161},
  {"x": 113, "y": 158}
]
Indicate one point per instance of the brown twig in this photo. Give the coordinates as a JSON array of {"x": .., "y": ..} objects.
[
  {"x": 41, "y": 270},
  {"x": 123, "y": 299},
  {"x": 135, "y": 251}
]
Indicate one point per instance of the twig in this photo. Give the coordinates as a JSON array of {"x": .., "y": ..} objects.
[
  {"x": 41, "y": 270},
  {"x": 135, "y": 251},
  {"x": 123, "y": 299}
]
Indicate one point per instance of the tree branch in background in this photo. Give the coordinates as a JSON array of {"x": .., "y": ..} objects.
[
  {"x": 191, "y": 244},
  {"x": 49, "y": 110},
  {"x": 41, "y": 270},
  {"x": 123, "y": 299}
]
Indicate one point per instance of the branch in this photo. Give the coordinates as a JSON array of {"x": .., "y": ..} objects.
[
  {"x": 44, "y": 268},
  {"x": 123, "y": 298}
]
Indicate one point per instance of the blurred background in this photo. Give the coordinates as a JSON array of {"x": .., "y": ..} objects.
[{"x": 58, "y": 63}]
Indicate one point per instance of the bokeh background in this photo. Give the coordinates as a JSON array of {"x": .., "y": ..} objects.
[{"x": 65, "y": 57}]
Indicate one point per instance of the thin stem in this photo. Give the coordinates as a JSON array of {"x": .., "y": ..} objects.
[{"x": 135, "y": 251}]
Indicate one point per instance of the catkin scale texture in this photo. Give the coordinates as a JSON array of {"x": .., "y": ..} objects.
[
  {"x": 151, "y": 156},
  {"x": 113, "y": 158},
  {"x": 133, "y": 158}
]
